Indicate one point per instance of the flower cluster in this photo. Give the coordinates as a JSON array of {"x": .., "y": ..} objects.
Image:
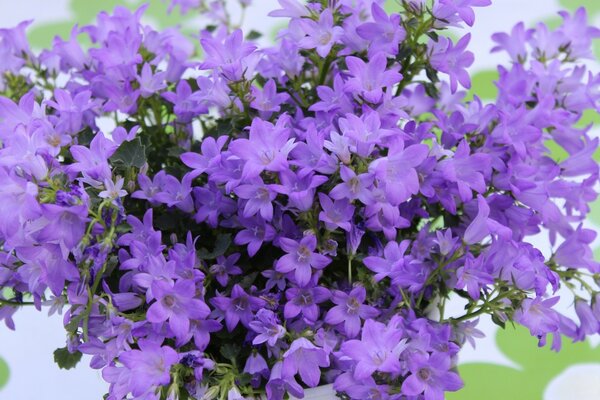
[{"x": 264, "y": 220}]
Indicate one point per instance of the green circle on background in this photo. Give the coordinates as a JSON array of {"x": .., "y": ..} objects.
[{"x": 4, "y": 373}]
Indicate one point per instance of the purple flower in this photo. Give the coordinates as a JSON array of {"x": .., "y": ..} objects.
[
  {"x": 538, "y": 316},
  {"x": 177, "y": 304},
  {"x": 354, "y": 186},
  {"x": 430, "y": 376},
  {"x": 453, "y": 60},
  {"x": 149, "y": 367},
  {"x": 398, "y": 171},
  {"x": 301, "y": 258},
  {"x": 378, "y": 349},
  {"x": 305, "y": 358},
  {"x": 225, "y": 267},
  {"x": 258, "y": 198},
  {"x": 369, "y": 79},
  {"x": 150, "y": 83},
  {"x": 239, "y": 307},
  {"x": 575, "y": 251},
  {"x": 350, "y": 309},
  {"x": 588, "y": 322},
  {"x": 305, "y": 301},
  {"x": 384, "y": 33},
  {"x": 282, "y": 382},
  {"x": 268, "y": 328},
  {"x": 231, "y": 56},
  {"x": 467, "y": 171},
  {"x": 300, "y": 188},
  {"x": 446, "y": 241},
  {"x": 515, "y": 43},
  {"x": 113, "y": 190},
  {"x": 473, "y": 276},
  {"x": 268, "y": 101},
  {"x": 321, "y": 34},
  {"x": 256, "y": 231},
  {"x": 266, "y": 148},
  {"x": 336, "y": 214}
]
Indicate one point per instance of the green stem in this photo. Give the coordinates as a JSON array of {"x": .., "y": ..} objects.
[{"x": 12, "y": 303}]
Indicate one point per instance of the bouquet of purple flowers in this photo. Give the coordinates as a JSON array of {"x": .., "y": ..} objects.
[{"x": 260, "y": 220}]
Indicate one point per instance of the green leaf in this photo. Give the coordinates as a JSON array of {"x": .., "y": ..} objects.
[
  {"x": 221, "y": 244},
  {"x": 253, "y": 35},
  {"x": 66, "y": 359},
  {"x": 230, "y": 351},
  {"x": 130, "y": 154},
  {"x": 4, "y": 373}
]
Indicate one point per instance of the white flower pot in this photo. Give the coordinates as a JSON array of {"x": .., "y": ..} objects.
[{"x": 324, "y": 392}]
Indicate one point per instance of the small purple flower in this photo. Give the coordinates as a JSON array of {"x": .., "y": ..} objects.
[
  {"x": 299, "y": 188},
  {"x": 378, "y": 349},
  {"x": 446, "y": 241},
  {"x": 301, "y": 258},
  {"x": 239, "y": 307},
  {"x": 453, "y": 60},
  {"x": 267, "y": 101},
  {"x": 305, "y": 358},
  {"x": 384, "y": 33},
  {"x": 266, "y": 149},
  {"x": 225, "y": 267},
  {"x": 256, "y": 232},
  {"x": 321, "y": 34},
  {"x": 305, "y": 301},
  {"x": 430, "y": 376},
  {"x": 149, "y": 366},
  {"x": 268, "y": 328},
  {"x": 113, "y": 190},
  {"x": 350, "y": 309},
  {"x": 259, "y": 199},
  {"x": 354, "y": 186},
  {"x": 336, "y": 214},
  {"x": 282, "y": 382},
  {"x": 398, "y": 171},
  {"x": 369, "y": 79},
  {"x": 177, "y": 304}
]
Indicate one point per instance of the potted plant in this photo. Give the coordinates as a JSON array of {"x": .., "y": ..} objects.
[{"x": 258, "y": 221}]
